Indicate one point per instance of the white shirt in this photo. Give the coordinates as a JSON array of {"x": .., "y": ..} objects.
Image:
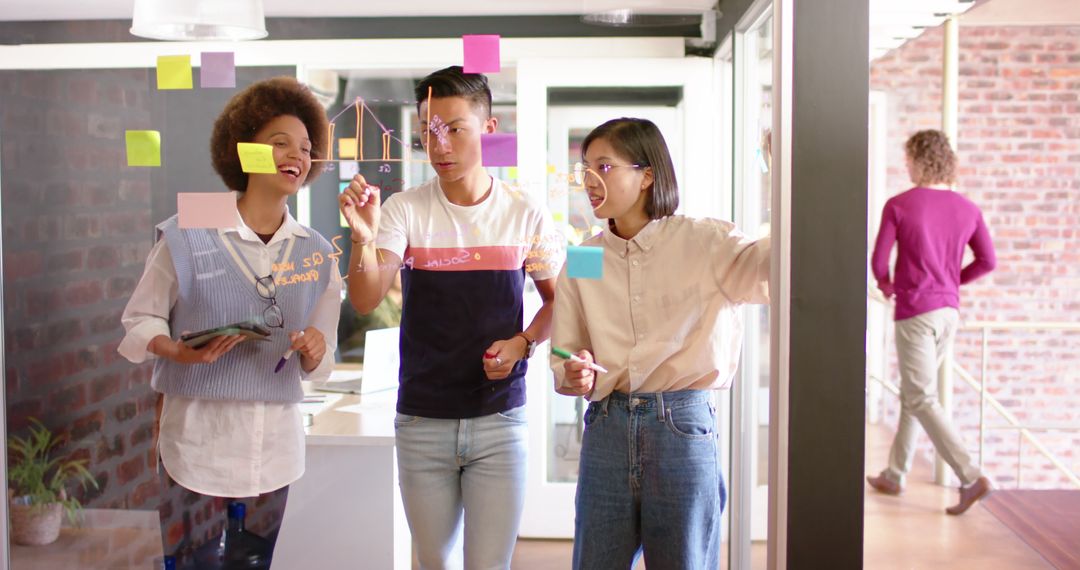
[{"x": 228, "y": 448}]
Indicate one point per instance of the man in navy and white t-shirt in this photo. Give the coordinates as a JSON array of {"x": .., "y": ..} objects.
[{"x": 464, "y": 242}]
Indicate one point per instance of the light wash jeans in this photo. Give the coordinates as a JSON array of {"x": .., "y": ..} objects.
[
  {"x": 453, "y": 468},
  {"x": 650, "y": 481}
]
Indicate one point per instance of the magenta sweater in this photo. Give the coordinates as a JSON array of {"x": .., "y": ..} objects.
[{"x": 930, "y": 228}]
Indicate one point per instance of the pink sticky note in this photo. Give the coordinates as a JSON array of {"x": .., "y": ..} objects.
[
  {"x": 481, "y": 53},
  {"x": 498, "y": 149},
  {"x": 206, "y": 210},
  {"x": 217, "y": 69}
]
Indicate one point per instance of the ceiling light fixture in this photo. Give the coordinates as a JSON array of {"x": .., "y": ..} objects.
[{"x": 199, "y": 20}]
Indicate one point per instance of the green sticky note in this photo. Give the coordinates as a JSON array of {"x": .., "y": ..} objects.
[
  {"x": 341, "y": 217},
  {"x": 584, "y": 262},
  {"x": 143, "y": 148},
  {"x": 256, "y": 158},
  {"x": 174, "y": 72}
]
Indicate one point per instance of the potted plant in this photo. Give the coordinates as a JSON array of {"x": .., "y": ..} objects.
[{"x": 37, "y": 482}]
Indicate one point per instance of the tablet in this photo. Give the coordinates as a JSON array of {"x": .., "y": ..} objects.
[{"x": 250, "y": 328}]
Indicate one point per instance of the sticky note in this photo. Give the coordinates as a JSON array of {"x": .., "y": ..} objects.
[
  {"x": 347, "y": 148},
  {"x": 341, "y": 217},
  {"x": 348, "y": 170},
  {"x": 256, "y": 158},
  {"x": 584, "y": 262},
  {"x": 551, "y": 169},
  {"x": 558, "y": 217},
  {"x": 498, "y": 149},
  {"x": 143, "y": 148},
  {"x": 481, "y": 53},
  {"x": 217, "y": 69},
  {"x": 174, "y": 72},
  {"x": 512, "y": 173},
  {"x": 206, "y": 210}
]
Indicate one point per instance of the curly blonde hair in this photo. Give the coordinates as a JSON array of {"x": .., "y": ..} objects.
[{"x": 932, "y": 156}]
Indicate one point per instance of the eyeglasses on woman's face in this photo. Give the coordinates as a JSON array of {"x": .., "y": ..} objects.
[{"x": 583, "y": 169}]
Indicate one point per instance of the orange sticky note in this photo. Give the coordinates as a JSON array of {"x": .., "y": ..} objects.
[
  {"x": 256, "y": 158},
  {"x": 347, "y": 148},
  {"x": 174, "y": 72},
  {"x": 206, "y": 210}
]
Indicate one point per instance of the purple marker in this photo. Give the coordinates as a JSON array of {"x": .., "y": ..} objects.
[{"x": 284, "y": 359}]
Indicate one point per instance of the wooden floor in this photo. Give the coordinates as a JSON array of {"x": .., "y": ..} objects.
[
  {"x": 907, "y": 532},
  {"x": 913, "y": 531}
]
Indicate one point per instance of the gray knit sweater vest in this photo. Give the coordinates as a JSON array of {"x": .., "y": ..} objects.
[{"x": 213, "y": 290}]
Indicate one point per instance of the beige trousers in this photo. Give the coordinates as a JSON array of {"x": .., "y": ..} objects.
[{"x": 921, "y": 345}]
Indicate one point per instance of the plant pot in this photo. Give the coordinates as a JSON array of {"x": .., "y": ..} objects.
[{"x": 35, "y": 525}]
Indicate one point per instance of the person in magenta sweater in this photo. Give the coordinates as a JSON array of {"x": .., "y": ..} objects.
[{"x": 930, "y": 225}]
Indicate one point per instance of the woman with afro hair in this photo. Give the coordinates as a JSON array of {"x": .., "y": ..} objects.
[{"x": 229, "y": 422}]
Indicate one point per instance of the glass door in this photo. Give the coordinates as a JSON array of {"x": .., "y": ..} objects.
[
  {"x": 753, "y": 139},
  {"x": 569, "y": 204},
  {"x": 546, "y": 146}
]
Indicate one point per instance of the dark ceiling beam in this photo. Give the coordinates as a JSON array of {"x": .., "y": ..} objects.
[{"x": 107, "y": 31}]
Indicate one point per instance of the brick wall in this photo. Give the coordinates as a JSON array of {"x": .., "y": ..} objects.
[
  {"x": 1019, "y": 153},
  {"x": 78, "y": 225},
  {"x": 76, "y": 234}
]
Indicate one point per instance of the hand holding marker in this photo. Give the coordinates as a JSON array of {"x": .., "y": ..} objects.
[
  {"x": 288, "y": 353},
  {"x": 575, "y": 358}
]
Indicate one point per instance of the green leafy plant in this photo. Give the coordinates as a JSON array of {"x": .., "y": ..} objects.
[{"x": 39, "y": 479}]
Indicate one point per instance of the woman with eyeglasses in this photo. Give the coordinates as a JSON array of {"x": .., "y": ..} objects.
[
  {"x": 663, "y": 320},
  {"x": 229, "y": 422}
]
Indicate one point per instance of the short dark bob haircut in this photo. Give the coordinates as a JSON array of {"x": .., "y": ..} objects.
[
  {"x": 640, "y": 142},
  {"x": 254, "y": 107}
]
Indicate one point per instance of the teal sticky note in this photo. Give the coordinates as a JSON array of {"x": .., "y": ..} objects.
[{"x": 584, "y": 262}]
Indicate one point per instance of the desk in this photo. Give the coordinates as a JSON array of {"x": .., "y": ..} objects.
[
  {"x": 346, "y": 511},
  {"x": 107, "y": 538}
]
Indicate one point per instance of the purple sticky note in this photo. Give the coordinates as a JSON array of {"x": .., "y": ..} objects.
[
  {"x": 206, "y": 210},
  {"x": 481, "y": 53},
  {"x": 218, "y": 69},
  {"x": 499, "y": 149}
]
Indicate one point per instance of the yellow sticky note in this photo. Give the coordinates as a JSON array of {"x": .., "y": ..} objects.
[
  {"x": 512, "y": 173},
  {"x": 346, "y": 148},
  {"x": 256, "y": 158},
  {"x": 551, "y": 169},
  {"x": 174, "y": 72},
  {"x": 143, "y": 148},
  {"x": 558, "y": 216}
]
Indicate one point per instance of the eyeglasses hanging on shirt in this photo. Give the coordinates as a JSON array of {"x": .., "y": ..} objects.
[{"x": 266, "y": 289}]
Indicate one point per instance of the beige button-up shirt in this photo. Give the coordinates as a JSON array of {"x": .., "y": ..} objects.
[{"x": 664, "y": 317}]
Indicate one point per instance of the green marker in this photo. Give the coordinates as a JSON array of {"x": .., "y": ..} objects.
[{"x": 561, "y": 353}]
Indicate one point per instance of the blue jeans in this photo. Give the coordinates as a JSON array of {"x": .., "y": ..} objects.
[
  {"x": 473, "y": 469},
  {"x": 650, "y": 480}
]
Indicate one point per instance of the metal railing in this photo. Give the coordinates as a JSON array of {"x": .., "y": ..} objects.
[{"x": 1012, "y": 423}]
